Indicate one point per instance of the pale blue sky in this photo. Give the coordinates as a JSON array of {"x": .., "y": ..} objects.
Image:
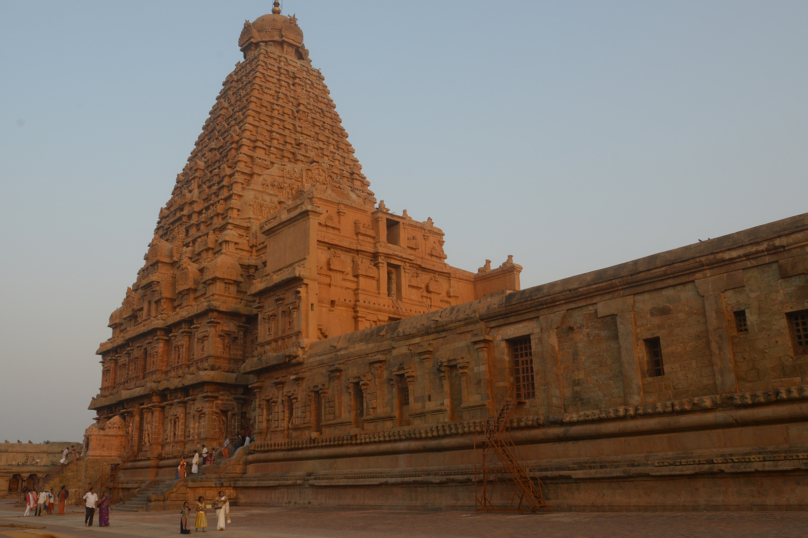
[{"x": 573, "y": 135}]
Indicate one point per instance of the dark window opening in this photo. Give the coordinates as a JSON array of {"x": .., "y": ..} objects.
[
  {"x": 522, "y": 357},
  {"x": 358, "y": 403},
  {"x": 405, "y": 391},
  {"x": 653, "y": 350},
  {"x": 798, "y": 326},
  {"x": 393, "y": 232},
  {"x": 741, "y": 326}
]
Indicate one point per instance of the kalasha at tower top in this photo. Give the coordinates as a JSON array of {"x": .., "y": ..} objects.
[{"x": 271, "y": 239}]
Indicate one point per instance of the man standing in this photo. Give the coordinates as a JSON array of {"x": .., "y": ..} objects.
[
  {"x": 90, "y": 499},
  {"x": 43, "y": 500},
  {"x": 204, "y": 455}
]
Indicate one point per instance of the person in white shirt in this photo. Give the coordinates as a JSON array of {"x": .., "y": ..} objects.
[
  {"x": 63, "y": 461},
  {"x": 204, "y": 455},
  {"x": 90, "y": 498},
  {"x": 43, "y": 499},
  {"x": 195, "y": 463}
]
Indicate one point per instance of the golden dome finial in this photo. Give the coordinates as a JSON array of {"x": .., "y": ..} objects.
[{"x": 276, "y": 9}]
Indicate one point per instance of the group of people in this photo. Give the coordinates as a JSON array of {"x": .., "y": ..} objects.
[
  {"x": 244, "y": 438},
  {"x": 43, "y": 502},
  {"x": 203, "y": 458},
  {"x": 93, "y": 503},
  {"x": 69, "y": 455},
  {"x": 221, "y": 506}
]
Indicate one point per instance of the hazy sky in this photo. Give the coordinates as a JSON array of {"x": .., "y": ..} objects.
[{"x": 573, "y": 135}]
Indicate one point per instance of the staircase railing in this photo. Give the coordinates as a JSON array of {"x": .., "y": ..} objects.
[{"x": 496, "y": 463}]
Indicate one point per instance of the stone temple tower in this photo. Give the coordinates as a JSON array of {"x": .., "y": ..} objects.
[{"x": 271, "y": 239}]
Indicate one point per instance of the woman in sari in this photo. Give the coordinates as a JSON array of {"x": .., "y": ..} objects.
[
  {"x": 201, "y": 522},
  {"x": 62, "y": 496},
  {"x": 103, "y": 510},
  {"x": 184, "y": 518},
  {"x": 181, "y": 469},
  {"x": 195, "y": 463},
  {"x": 30, "y": 502},
  {"x": 222, "y": 512}
]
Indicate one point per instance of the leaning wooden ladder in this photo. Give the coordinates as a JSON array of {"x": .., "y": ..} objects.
[{"x": 495, "y": 463}]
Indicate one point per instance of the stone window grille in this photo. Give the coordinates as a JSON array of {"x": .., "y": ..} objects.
[
  {"x": 653, "y": 351},
  {"x": 798, "y": 326},
  {"x": 522, "y": 359},
  {"x": 741, "y": 326}
]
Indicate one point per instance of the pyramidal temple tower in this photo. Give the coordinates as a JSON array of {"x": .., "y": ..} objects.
[
  {"x": 279, "y": 296},
  {"x": 271, "y": 240}
]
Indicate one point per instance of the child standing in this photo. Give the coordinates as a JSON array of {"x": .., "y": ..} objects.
[
  {"x": 184, "y": 519},
  {"x": 201, "y": 522}
]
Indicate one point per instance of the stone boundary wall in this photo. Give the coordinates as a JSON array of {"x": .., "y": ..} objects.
[{"x": 387, "y": 416}]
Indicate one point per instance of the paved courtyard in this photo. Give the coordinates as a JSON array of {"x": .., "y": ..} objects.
[{"x": 329, "y": 523}]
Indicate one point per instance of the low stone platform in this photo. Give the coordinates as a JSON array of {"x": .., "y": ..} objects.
[{"x": 330, "y": 523}]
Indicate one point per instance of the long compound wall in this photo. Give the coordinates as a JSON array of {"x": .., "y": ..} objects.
[{"x": 720, "y": 424}]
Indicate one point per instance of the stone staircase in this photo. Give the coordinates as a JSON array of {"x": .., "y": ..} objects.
[{"x": 139, "y": 501}]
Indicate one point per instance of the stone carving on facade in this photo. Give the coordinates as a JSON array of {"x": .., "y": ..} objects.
[{"x": 215, "y": 292}]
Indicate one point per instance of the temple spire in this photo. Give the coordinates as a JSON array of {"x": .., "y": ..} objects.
[{"x": 276, "y": 9}]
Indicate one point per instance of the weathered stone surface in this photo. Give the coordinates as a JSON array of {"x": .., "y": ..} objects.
[
  {"x": 279, "y": 295},
  {"x": 271, "y": 240},
  {"x": 23, "y": 464}
]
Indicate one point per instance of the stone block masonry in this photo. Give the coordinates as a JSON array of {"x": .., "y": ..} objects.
[{"x": 279, "y": 296}]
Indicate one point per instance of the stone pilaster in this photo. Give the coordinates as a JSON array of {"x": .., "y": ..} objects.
[
  {"x": 551, "y": 363},
  {"x": 158, "y": 426},
  {"x": 623, "y": 308},
  {"x": 712, "y": 290},
  {"x": 137, "y": 412},
  {"x": 485, "y": 371},
  {"x": 423, "y": 384}
]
